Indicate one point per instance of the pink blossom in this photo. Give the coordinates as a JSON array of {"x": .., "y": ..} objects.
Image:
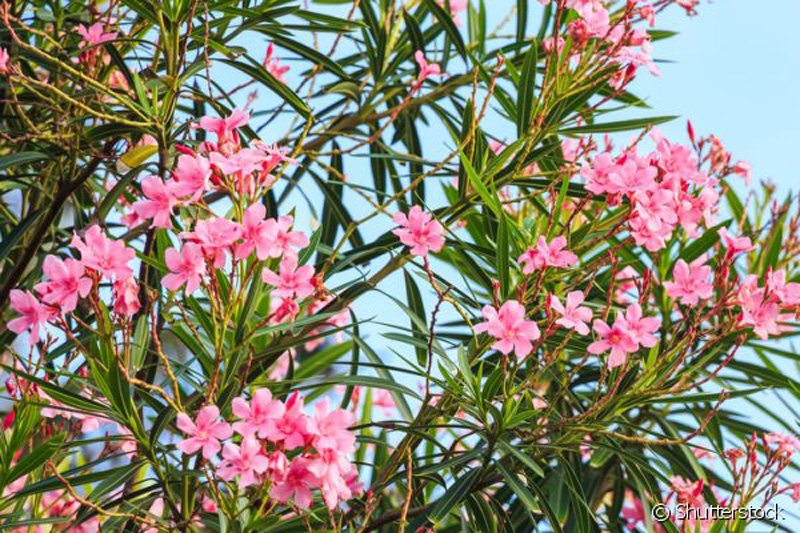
[
  {"x": 625, "y": 283},
  {"x": 126, "y": 297},
  {"x": 633, "y": 514},
  {"x": 296, "y": 485},
  {"x": 509, "y": 326},
  {"x": 688, "y": 5},
  {"x": 597, "y": 172},
  {"x": 547, "y": 255},
  {"x": 127, "y": 443},
  {"x": 632, "y": 174},
  {"x": 573, "y": 316},
  {"x": 208, "y": 504},
  {"x": 223, "y": 127},
  {"x": 281, "y": 367},
  {"x": 34, "y": 315},
  {"x": 787, "y": 444},
  {"x": 257, "y": 233},
  {"x": 286, "y": 242},
  {"x": 644, "y": 234},
  {"x": 735, "y": 245},
  {"x": 796, "y": 492},
  {"x": 456, "y": 7},
  {"x": 4, "y": 68},
  {"x": 291, "y": 281},
  {"x": 691, "y": 281},
  {"x": 613, "y": 338},
  {"x": 284, "y": 310},
  {"x": 246, "y": 461},
  {"x": 787, "y": 293},
  {"x": 760, "y": 310},
  {"x": 94, "y": 34},
  {"x": 426, "y": 69},
  {"x": 258, "y": 416},
  {"x": 331, "y": 428},
  {"x": 66, "y": 283},
  {"x": 689, "y": 492},
  {"x": 273, "y": 67},
  {"x": 383, "y": 398},
  {"x": 293, "y": 429},
  {"x": 743, "y": 169},
  {"x": 639, "y": 328},
  {"x": 100, "y": 253},
  {"x": 191, "y": 176},
  {"x": 216, "y": 236},
  {"x": 159, "y": 203},
  {"x": 656, "y": 208},
  {"x": 205, "y": 433},
  {"x": 186, "y": 266},
  {"x": 419, "y": 232}
]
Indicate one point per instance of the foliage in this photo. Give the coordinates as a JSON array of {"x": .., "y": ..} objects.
[{"x": 577, "y": 323}]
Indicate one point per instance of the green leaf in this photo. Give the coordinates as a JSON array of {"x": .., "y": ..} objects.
[
  {"x": 622, "y": 125},
  {"x": 454, "y": 495}
]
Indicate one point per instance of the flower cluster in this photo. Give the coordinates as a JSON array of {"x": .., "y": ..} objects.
[
  {"x": 295, "y": 453},
  {"x": 70, "y": 280}
]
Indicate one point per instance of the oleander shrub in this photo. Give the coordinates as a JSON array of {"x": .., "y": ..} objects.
[{"x": 379, "y": 266}]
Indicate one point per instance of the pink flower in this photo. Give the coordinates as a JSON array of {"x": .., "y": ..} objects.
[
  {"x": 691, "y": 282},
  {"x": 689, "y": 492},
  {"x": 208, "y": 504},
  {"x": 291, "y": 281},
  {"x": 66, "y": 283},
  {"x": 383, "y": 398},
  {"x": 456, "y": 7},
  {"x": 257, "y": 233},
  {"x": 34, "y": 314},
  {"x": 743, "y": 169},
  {"x": 787, "y": 444},
  {"x": 735, "y": 245},
  {"x": 273, "y": 67},
  {"x": 126, "y": 297},
  {"x": 419, "y": 232},
  {"x": 246, "y": 461},
  {"x": 100, "y": 253},
  {"x": 186, "y": 266},
  {"x": 127, "y": 443},
  {"x": 216, "y": 236},
  {"x": 796, "y": 492},
  {"x": 509, "y": 326},
  {"x": 223, "y": 127},
  {"x": 3, "y": 61},
  {"x": 426, "y": 69},
  {"x": 331, "y": 429},
  {"x": 787, "y": 293},
  {"x": 614, "y": 338},
  {"x": 760, "y": 310},
  {"x": 94, "y": 34},
  {"x": 286, "y": 242},
  {"x": 573, "y": 316},
  {"x": 547, "y": 255},
  {"x": 297, "y": 484},
  {"x": 688, "y": 5},
  {"x": 205, "y": 433},
  {"x": 293, "y": 429},
  {"x": 258, "y": 416},
  {"x": 191, "y": 176},
  {"x": 640, "y": 329},
  {"x": 633, "y": 514},
  {"x": 159, "y": 204},
  {"x": 625, "y": 283}
]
